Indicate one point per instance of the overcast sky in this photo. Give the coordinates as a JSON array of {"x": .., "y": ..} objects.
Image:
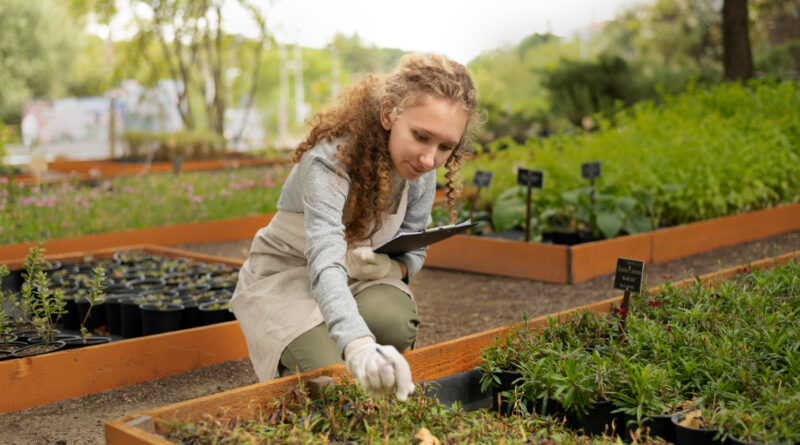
[{"x": 460, "y": 29}]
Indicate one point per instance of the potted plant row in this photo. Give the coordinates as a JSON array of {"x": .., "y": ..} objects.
[
  {"x": 134, "y": 293},
  {"x": 685, "y": 358},
  {"x": 694, "y": 365}
]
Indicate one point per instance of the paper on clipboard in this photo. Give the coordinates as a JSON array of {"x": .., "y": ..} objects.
[{"x": 407, "y": 241}]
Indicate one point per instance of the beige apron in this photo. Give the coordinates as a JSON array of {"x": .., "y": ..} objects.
[{"x": 273, "y": 301}]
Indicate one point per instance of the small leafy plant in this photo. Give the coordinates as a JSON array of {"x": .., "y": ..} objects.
[
  {"x": 94, "y": 297},
  {"x": 39, "y": 304}
]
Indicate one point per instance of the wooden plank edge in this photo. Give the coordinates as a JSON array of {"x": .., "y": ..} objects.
[
  {"x": 149, "y": 248},
  {"x": 186, "y": 233}
]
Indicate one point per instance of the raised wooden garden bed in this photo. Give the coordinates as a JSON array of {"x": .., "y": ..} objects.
[
  {"x": 110, "y": 168},
  {"x": 578, "y": 263},
  {"x": 536, "y": 261},
  {"x": 432, "y": 362},
  {"x": 37, "y": 380},
  {"x": 202, "y": 232}
]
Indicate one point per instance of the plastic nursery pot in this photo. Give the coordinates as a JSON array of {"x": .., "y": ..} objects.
[
  {"x": 12, "y": 346},
  {"x": 689, "y": 435},
  {"x": 217, "y": 311},
  {"x": 192, "y": 288},
  {"x": 80, "y": 342},
  {"x": 180, "y": 279},
  {"x": 8, "y": 339},
  {"x": 24, "y": 335},
  {"x": 177, "y": 265},
  {"x": 464, "y": 387},
  {"x": 228, "y": 284},
  {"x": 39, "y": 349},
  {"x": 600, "y": 419},
  {"x": 13, "y": 281},
  {"x": 507, "y": 379},
  {"x": 56, "y": 337},
  {"x": 118, "y": 288},
  {"x": 655, "y": 426},
  {"x": 132, "y": 256},
  {"x": 131, "y": 317},
  {"x": 146, "y": 284},
  {"x": 97, "y": 316},
  {"x": 160, "y": 317},
  {"x": 191, "y": 317},
  {"x": 111, "y": 306}
]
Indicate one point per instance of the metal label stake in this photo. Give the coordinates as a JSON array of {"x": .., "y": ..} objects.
[{"x": 530, "y": 179}]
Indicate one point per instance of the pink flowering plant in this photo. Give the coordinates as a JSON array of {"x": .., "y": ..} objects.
[{"x": 107, "y": 205}]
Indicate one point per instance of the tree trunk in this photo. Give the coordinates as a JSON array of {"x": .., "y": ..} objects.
[{"x": 737, "y": 58}]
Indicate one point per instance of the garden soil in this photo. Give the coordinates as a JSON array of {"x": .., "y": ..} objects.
[{"x": 451, "y": 305}]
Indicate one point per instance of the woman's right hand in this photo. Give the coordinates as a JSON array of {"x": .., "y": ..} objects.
[
  {"x": 364, "y": 264},
  {"x": 380, "y": 369}
]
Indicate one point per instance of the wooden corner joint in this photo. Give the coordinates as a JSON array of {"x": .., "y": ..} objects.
[{"x": 144, "y": 423}]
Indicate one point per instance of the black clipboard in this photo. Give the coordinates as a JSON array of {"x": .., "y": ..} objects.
[{"x": 407, "y": 241}]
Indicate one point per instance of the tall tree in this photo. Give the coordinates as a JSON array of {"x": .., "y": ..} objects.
[
  {"x": 36, "y": 43},
  {"x": 737, "y": 56},
  {"x": 196, "y": 51}
]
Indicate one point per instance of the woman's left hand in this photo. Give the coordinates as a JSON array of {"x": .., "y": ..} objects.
[{"x": 364, "y": 264}]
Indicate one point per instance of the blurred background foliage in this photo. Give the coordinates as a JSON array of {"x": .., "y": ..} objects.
[{"x": 542, "y": 85}]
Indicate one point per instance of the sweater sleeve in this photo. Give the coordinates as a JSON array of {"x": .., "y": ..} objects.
[
  {"x": 323, "y": 196},
  {"x": 418, "y": 217}
]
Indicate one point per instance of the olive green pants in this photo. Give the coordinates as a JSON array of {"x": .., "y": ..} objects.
[{"x": 390, "y": 314}]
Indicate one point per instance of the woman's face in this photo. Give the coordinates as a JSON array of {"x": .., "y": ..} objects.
[{"x": 423, "y": 136}]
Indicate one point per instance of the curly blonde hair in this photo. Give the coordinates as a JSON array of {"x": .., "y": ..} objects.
[{"x": 365, "y": 158}]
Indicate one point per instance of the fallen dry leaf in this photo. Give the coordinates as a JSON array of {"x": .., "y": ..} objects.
[
  {"x": 693, "y": 419},
  {"x": 426, "y": 438}
]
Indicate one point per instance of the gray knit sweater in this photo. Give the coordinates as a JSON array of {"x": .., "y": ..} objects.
[{"x": 315, "y": 189}]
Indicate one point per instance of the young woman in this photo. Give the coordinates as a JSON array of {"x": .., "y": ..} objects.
[{"x": 312, "y": 291}]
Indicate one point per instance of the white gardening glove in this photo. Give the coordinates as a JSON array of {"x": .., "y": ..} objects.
[
  {"x": 364, "y": 264},
  {"x": 380, "y": 369}
]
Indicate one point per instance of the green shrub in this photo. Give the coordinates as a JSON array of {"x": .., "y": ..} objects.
[
  {"x": 729, "y": 149},
  {"x": 188, "y": 144}
]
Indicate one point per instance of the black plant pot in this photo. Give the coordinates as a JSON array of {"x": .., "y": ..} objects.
[
  {"x": 130, "y": 317},
  {"x": 8, "y": 339},
  {"x": 655, "y": 426},
  {"x": 464, "y": 387},
  {"x": 160, "y": 317},
  {"x": 690, "y": 436},
  {"x": 56, "y": 337},
  {"x": 211, "y": 316},
  {"x": 191, "y": 317},
  {"x": 111, "y": 306},
  {"x": 600, "y": 419},
  {"x": 38, "y": 349},
  {"x": 146, "y": 284},
  {"x": 189, "y": 289},
  {"x": 97, "y": 316},
  {"x": 570, "y": 238},
  {"x": 71, "y": 320},
  {"x": 90, "y": 341},
  {"x": 13, "y": 346},
  {"x": 507, "y": 379},
  {"x": 24, "y": 335},
  {"x": 117, "y": 289},
  {"x": 12, "y": 282}
]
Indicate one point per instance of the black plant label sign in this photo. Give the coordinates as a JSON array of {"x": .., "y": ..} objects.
[
  {"x": 482, "y": 178},
  {"x": 590, "y": 170},
  {"x": 628, "y": 276},
  {"x": 530, "y": 178}
]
